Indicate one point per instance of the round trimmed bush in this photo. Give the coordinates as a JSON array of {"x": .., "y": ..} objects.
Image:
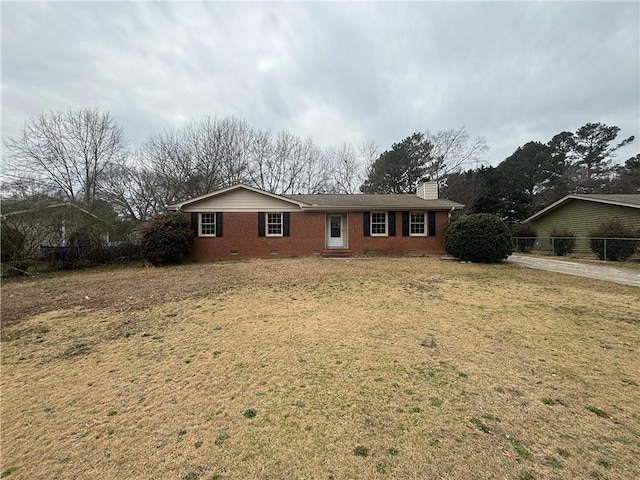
[
  {"x": 479, "y": 237},
  {"x": 166, "y": 239}
]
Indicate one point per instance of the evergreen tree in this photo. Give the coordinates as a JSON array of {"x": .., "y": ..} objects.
[
  {"x": 591, "y": 152},
  {"x": 400, "y": 169},
  {"x": 627, "y": 177}
]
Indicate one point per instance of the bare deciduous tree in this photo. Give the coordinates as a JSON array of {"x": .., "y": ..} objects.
[
  {"x": 286, "y": 164},
  {"x": 199, "y": 158},
  {"x": 346, "y": 168},
  {"x": 453, "y": 149},
  {"x": 132, "y": 189},
  {"x": 67, "y": 151}
]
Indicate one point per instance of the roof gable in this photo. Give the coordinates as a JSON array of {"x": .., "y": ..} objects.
[
  {"x": 238, "y": 198},
  {"x": 45, "y": 208}
]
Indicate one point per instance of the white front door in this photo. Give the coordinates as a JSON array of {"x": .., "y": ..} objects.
[{"x": 335, "y": 230}]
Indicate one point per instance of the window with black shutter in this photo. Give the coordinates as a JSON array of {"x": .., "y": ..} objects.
[
  {"x": 366, "y": 223},
  {"x": 432, "y": 224},
  {"x": 218, "y": 224},
  {"x": 378, "y": 224},
  {"x": 392, "y": 223},
  {"x": 194, "y": 223},
  {"x": 274, "y": 224},
  {"x": 405, "y": 224}
]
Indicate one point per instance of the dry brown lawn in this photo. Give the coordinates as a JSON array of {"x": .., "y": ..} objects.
[{"x": 408, "y": 368}]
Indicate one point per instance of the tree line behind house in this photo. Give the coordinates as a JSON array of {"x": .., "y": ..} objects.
[{"x": 83, "y": 157}]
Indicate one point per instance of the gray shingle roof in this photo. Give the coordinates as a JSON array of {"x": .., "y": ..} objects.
[
  {"x": 342, "y": 202},
  {"x": 372, "y": 201},
  {"x": 619, "y": 199},
  {"x": 631, "y": 200}
]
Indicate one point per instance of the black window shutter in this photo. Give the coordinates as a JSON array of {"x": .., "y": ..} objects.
[
  {"x": 432, "y": 224},
  {"x": 261, "y": 224},
  {"x": 366, "y": 223},
  {"x": 392, "y": 223},
  {"x": 405, "y": 224},
  {"x": 194, "y": 223},
  {"x": 218, "y": 224},
  {"x": 285, "y": 224}
]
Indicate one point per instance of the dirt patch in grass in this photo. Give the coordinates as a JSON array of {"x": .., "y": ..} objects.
[
  {"x": 307, "y": 368},
  {"x": 129, "y": 289}
]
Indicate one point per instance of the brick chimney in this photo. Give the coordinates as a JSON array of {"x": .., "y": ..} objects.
[{"x": 428, "y": 190}]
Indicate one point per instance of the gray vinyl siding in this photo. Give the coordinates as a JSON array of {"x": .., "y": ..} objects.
[{"x": 581, "y": 216}]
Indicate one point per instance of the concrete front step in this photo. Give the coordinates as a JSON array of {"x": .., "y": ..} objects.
[{"x": 336, "y": 253}]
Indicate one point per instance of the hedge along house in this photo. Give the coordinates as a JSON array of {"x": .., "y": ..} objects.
[
  {"x": 581, "y": 214},
  {"x": 243, "y": 221}
]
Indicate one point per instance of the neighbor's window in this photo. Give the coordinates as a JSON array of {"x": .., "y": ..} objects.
[
  {"x": 378, "y": 223},
  {"x": 416, "y": 224},
  {"x": 208, "y": 224},
  {"x": 274, "y": 224}
]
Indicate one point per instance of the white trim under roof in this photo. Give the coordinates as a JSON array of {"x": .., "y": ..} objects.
[{"x": 178, "y": 206}]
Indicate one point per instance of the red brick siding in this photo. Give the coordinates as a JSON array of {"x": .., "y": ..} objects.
[
  {"x": 397, "y": 245},
  {"x": 307, "y": 233},
  {"x": 240, "y": 233}
]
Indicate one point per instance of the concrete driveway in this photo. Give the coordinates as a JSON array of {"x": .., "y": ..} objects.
[{"x": 625, "y": 276}]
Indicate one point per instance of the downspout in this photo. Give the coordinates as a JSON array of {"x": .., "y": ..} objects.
[{"x": 450, "y": 212}]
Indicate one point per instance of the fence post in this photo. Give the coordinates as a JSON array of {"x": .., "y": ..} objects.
[{"x": 605, "y": 249}]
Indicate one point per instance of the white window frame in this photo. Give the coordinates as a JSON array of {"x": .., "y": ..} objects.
[
  {"x": 212, "y": 222},
  {"x": 412, "y": 223},
  {"x": 267, "y": 223},
  {"x": 386, "y": 224}
]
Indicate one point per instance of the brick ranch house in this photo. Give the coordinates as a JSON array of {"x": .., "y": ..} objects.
[{"x": 242, "y": 221}]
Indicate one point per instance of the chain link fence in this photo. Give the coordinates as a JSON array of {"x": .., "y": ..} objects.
[{"x": 604, "y": 248}]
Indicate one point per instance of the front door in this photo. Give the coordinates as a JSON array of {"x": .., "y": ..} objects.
[{"x": 335, "y": 231}]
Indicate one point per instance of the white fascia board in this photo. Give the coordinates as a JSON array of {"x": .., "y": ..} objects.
[{"x": 178, "y": 206}]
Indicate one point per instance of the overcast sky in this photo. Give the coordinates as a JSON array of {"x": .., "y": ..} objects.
[{"x": 336, "y": 72}]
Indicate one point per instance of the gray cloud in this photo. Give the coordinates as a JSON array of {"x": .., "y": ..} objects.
[{"x": 511, "y": 72}]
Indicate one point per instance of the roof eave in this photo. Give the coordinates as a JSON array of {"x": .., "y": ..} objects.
[
  {"x": 364, "y": 208},
  {"x": 178, "y": 206},
  {"x": 570, "y": 197}
]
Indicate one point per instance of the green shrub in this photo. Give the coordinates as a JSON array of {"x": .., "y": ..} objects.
[
  {"x": 525, "y": 237},
  {"x": 479, "y": 237},
  {"x": 616, "y": 248},
  {"x": 11, "y": 244},
  {"x": 166, "y": 239},
  {"x": 564, "y": 241}
]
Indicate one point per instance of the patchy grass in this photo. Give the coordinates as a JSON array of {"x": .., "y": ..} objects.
[
  {"x": 8, "y": 471},
  {"x": 598, "y": 411},
  {"x": 520, "y": 449},
  {"x": 361, "y": 451},
  {"x": 431, "y": 367},
  {"x": 553, "y": 462}
]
